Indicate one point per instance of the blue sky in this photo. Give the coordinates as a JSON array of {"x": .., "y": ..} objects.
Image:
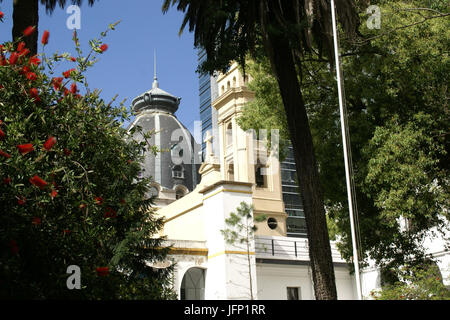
[{"x": 126, "y": 68}]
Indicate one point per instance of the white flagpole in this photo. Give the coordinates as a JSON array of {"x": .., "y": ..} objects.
[{"x": 344, "y": 141}]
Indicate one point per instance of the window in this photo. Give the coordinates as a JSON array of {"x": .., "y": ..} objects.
[
  {"x": 230, "y": 172},
  {"x": 272, "y": 223},
  {"x": 193, "y": 285},
  {"x": 177, "y": 172},
  {"x": 229, "y": 134},
  {"x": 293, "y": 293},
  {"x": 260, "y": 176}
]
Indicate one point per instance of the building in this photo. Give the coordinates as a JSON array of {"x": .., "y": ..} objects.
[
  {"x": 242, "y": 170},
  {"x": 174, "y": 169}
]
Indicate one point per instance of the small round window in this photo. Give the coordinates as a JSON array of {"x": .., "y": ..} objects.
[{"x": 272, "y": 223}]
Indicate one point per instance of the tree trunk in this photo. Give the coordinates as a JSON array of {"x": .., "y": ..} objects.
[
  {"x": 283, "y": 65},
  {"x": 25, "y": 14}
]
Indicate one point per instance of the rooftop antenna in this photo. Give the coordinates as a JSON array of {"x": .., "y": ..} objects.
[{"x": 155, "y": 79}]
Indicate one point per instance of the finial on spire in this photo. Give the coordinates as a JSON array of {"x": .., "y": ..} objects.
[{"x": 155, "y": 79}]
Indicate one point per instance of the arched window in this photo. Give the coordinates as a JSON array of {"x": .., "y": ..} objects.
[
  {"x": 179, "y": 193},
  {"x": 234, "y": 82},
  {"x": 230, "y": 172},
  {"x": 229, "y": 134},
  {"x": 193, "y": 285},
  {"x": 228, "y": 85},
  {"x": 177, "y": 172}
]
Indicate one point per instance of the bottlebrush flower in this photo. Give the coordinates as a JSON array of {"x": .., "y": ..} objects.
[
  {"x": 13, "y": 58},
  {"x": 49, "y": 143},
  {"x": 25, "y": 70},
  {"x": 99, "y": 200},
  {"x": 34, "y": 60},
  {"x": 104, "y": 47},
  {"x": 110, "y": 213},
  {"x": 73, "y": 88},
  {"x": 57, "y": 83},
  {"x": 2, "y": 134},
  {"x": 102, "y": 271},
  {"x": 7, "y": 180},
  {"x": 67, "y": 152},
  {"x": 67, "y": 73},
  {"x": 21, "y": 46},
  {"x": 53, "y": 194},
  {"x": 31, "y": 76},
  {"x": 21, "y": 201},
  {"x": 45, "y": 37},
  {"x": 29, "y": 31},
  {"x": 34, "y": 94},
  {"x": 4, "y": 154},
  {"x": 66, "y": 231},
  {"x": 36, "y": 221},
  {"x": 24, "y": 52},
  {"x": 25, "y": 148},
  {"x": 1, "y": 15},
  {"x": 73, "y": 59},
  {"x": 38, "y": 182}
]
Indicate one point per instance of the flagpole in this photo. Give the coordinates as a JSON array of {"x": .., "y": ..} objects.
[{"x": 346, "y": 158}]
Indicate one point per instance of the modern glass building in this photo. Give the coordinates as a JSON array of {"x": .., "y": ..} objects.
[{"x": 208, "y": 91}]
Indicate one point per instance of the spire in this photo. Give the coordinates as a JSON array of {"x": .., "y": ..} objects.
[{"x": 155, "y": 79}]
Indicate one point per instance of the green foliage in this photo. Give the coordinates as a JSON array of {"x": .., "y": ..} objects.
[
  {"x": 89, "y": 205},
  {"x": 418, "y": 283},
  {"x": 396, "y": 90},
  {"x": 241, "y": 228}
]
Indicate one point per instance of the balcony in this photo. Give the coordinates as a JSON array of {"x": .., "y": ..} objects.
[{"x": 284, "y": 248}]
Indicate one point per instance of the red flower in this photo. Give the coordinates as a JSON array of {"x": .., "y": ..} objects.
[
  {"x": 110, "y": 213},
  {"x": 7, "y": 180},
  {"x": 67, "y": 152},
  {"x": 122, "y": 201},
  {"x": 4, "y": 154},
  {"x": 2, "y": 134},
  {"x": 45, "y": 37},
  {"x": 73, "y": 59},
  {"x": 1, "y": 15},
  {"x": 31, "y": 76},
  {"x": 54, "y": 193},
  {"x": 34, "y": 94},
  {"x": 25, "y": 70},
  {"x": 36, "y": 221},
  {"x": 57, "y": 82},
  {"x": 49, "y": 143},
  {"x": 38, "y": 182},
  {"x": 22, "y": 201},
  {"x": 34, "y": 60},
  {"x": 21, "y": 46},
  {"x": 65, "y": 231},
  {"x": 67, "y": 73},
  {"x": 99, "y": 200},
  {"x": 25, "y": 148},
  {"x": 102, "y": 271},
  {"x": 29, "y": 31},
  {"x": 73, "y": 88},
  {"x": 13, "y": 58},
  {"x": 104, "y": 47},
  {"x": 24, "y": 52}
]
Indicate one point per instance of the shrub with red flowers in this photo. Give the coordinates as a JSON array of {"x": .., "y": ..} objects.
[{"x": 69, "y": 194}]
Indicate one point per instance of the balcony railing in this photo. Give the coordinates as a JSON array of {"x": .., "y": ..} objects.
[{"x": 288, "y": 249}]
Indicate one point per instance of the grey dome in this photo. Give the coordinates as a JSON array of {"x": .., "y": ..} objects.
[
  {"x": 156, "y": 99},
  {"x": 175, "y": 164}
]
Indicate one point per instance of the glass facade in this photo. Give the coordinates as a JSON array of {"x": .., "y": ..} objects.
[
  {"x": 205, "y": 99},
  {"x": 296, "y": 225}
]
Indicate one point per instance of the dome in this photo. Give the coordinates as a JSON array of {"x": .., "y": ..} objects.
[
  {"x": 156, "y": 99},
  {"x": 178, "y": 161}
]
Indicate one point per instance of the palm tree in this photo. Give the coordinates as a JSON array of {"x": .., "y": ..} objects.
[
  {"x": 285, "y": 30},
  {"x": 26, "y": 13}
]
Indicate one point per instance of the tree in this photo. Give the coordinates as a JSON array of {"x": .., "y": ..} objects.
[
  {"x": 285, "y": 30},
  {"x": 396, "y": 89},
  {"x": 418, "y": 283},
  {"x": 241, "y": 230},
  {"x": 71, "y": 193},
  {"x": 26, "y": 14}
]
